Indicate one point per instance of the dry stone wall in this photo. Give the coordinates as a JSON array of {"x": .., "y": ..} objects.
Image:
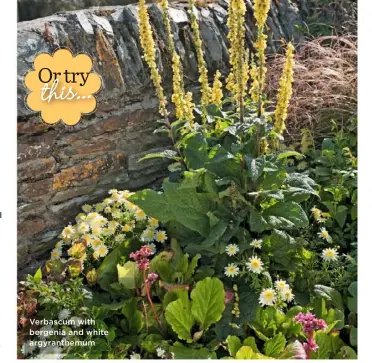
[{"x": 60, "y": 167}]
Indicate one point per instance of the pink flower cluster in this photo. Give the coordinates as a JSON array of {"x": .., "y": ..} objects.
[
  {"x": 309, "y": 325},
  {"x": 310, "y": 322},
  {"x": 142, "y": 257},
  {"x": 151, "y": 278}
]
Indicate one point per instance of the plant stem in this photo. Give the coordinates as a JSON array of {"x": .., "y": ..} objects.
[{"x": 149, "y": 298}]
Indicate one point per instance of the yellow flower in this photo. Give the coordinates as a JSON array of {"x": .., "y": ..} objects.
[
  {"x": 92, "y": 276},
  {"x": 55, "y": 254},
  {"x": 77, "y": 250},
  {"x": 217, "y": 93},
  {"x": 261, "y": 9},
  {"x": 153, "y": 222},
  {"x": 96, "y": 243},
  {"x": 102, "y": 251},
  {"x": 285, "y": 91},
  {"x": 239, "y": 73},
  {"x": 127, "y": 227},
  {"x": 148, "y": 46},
  {"x": 160, "y": 236},
  {"x": 203, "y": 72}
]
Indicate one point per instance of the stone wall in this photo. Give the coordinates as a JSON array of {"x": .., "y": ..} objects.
[{"x": 60, "y": 167}]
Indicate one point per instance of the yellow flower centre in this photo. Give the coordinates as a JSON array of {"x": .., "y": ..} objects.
[{"x": 255, "y": 263}]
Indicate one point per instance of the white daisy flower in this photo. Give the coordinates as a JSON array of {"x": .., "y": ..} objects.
[
  {"x": 55, "y": 254},
  {"x": 83, "y": 228},
  {"x": 316, "y": 212},
  {"x": 139, "y": 215},
  {"x": 231, "y": 270},
  {"x": 153, "y": 247},
  {"x": 128, "y": 227},
  {"x": 256, "y": 243},
  {"x": 324, "y": 234},
  {"x": 160, "y": 352},
  {"x": 287, "y": 295},
  {"x": 68, "y": 232},
  {"x": 232, "y": 249},
  {"x": 330, "y": 254},
  {"x": 281, "y": 285},
  {"x": 267, "y": 297},
  {"x": 64, "y": 314},
  {"x": 153, "y": 222},
  {"x": 119, "y": 238},
  {"x": 160, "y": 236},
  {"x": 107, "y": 210},
  {"x": 102, "y": 250},
  {"x": 135, "y": 356},
  {"x": 148, "y": 234},
  {"x": 255, "y": 264},
  {"x": 96, "y": 243},
  {"x": 59, "y": 244}
]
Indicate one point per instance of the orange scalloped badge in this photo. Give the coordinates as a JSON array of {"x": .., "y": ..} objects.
[{"x": 62, "y": 86}]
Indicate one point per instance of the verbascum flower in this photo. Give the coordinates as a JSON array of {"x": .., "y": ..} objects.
[
  {"x": 164, "y": 5},
  {"x": 217, "y": 93},
  {"x": 148, "y": 46},
  {"x": 261, "y": 9},
  {"x": 239, "y": 73},
  {"x": 203, "y": 73},
  {"x": 285, "y": 91}
]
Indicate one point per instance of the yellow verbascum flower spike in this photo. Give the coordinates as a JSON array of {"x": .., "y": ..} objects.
[
  {"x": 217, "y": 93},
  {"x": 285, "y": 91},
  {"x": 203, "y": 72},
  {"x": 239, "y": 73},
  {"x": 261, "y": 9},
  {"x": 148, "y": 46}
]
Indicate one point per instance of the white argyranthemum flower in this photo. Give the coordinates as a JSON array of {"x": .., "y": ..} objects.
[
  {"x": 107, "y": 210},
  {"x": 153, "y": 222},
  {"x": 324, "y": 234},
  {"x": 68, "y": 232},
  {"x": 59, "y": 244},
  {"x": 148, "y": 234},
  {"x": 64, "y": 314},
  {"x": 119, "y": 238},
  {"x": 55, "y": 254},
  {"x": 256, "y": 243},
  {"x": 267, "y": 297},
  {"x": 316, "y": 212},
  {"x": 330, "y": 254},
  {"x": 287, "y": 295},
  {"x": 102, "y": 250},
  {"x": 255, "y": 264},
  {"x": 160, "y": 352},
  {"x": 135, "y": 356},
  {"x": 232, "y": 249},
  {"x": 139, "y": 215},
  {"x": 231, "y": 270},
  {"x": 27, "y": 348},
  {"x": 96, "y": 243},
  {"x": 128, "y": 227},
  {"x": 160, "y": 236},
  {"x": 83, "y": 228},
  {"x": 281, "y": 285},
  {"x": 51, "y": 352},
  {"x": 96, "y": 231}
]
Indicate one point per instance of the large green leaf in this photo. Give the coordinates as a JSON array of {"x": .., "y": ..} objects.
[
  {"x": 233, "y": 344},
  {"x": 275, "y": 345},
  {"x": 208, "y": 302},
  {"x": 184, "y": 205},
  {"x": 127, "y": 274},
  {"x": 325, "y": 346},
  {"x": 195, "y": 150},
  {"x": 215, "y": 234},
  {"x": 286, "y": 215},
  {"x": 179, "y": 317},
  {"x": 257, "y": 222},
  {"x": 134, "y": 321},
  {"x": 255, "y": 167}
]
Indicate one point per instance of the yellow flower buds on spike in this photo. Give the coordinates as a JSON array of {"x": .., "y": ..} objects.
[
  {"x": 261, "y": 9},
  {"x": 148, "y": 46},
  {"x": 203, "y": 73},
  {"x": 285, "y": 91},
  {"x": 239, "y": 74},
  {"x": 217, "y": 93}
]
